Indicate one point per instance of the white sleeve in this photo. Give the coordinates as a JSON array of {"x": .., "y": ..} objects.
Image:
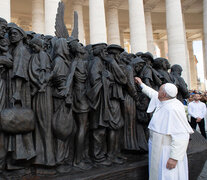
[
  {"x": 148, "y": 91},
  {"x": 190, "y": 110},
  {"x": 179, "y": 146},
  {"x": 203, "y": 111}
]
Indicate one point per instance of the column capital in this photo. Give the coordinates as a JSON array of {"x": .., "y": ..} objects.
[
  {"x": 113, "y": 4},
  {"x": 78, "y": 2},
  {"x": 148, "y": 9},
  {"x": 150, "y": 4}
]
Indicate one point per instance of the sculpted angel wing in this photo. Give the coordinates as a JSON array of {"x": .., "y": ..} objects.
[
  {"x": 75, "y": 27},
  {"x": 60, "y": 28}
]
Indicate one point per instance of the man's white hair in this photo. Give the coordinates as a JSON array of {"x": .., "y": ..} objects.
[{"x": 171, "y": 90}]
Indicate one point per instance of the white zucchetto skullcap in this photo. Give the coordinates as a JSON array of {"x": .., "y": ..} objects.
[{"x": 171, "y": 89}]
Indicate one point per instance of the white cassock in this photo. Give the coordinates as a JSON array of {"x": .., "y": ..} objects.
[{"x": 169, "y": 137}]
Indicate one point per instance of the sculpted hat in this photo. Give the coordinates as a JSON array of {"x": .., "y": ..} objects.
[
  {"x": 171, "y": 89},
  {"x": 30, "y": 33},
  {"x": 131, "y": 56},
  {"x": 147, "y": 55},
  {"x": 137, "y": 60},
  {"x": 14, "y": 26},
  {"x": 98, "y": 45},
  {"x": 176, "y": 67},
  {"x": 37, "y": 41},
  {"x": 115, "y": 46},
  {"x": 138, "y": 54}
]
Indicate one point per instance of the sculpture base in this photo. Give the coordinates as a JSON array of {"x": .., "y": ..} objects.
[{"x": 136, "y": 167}]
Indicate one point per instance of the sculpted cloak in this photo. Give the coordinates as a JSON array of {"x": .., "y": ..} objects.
[
  {"x": 43, "y": 107},
  {"x": 20, "y": 145}
]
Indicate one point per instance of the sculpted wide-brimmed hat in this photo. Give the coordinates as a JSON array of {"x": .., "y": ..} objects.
[
  {"x": 138, "y": 54},
  {"x": 131, "y": 56},
  {"x": 30, "y": 33},
  {"x": 11, "y": 25},
  {"x": 148, "y": 55},
  {"x": 37, "y": 41},
  {"x": 137, "y": 60},
  {"x": 115, "y": 46},
  {"x": 99, "y": 45}
]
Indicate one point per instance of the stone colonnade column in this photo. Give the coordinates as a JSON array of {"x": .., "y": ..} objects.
[
  {"x": 113, "y": 34},
  {"x": 205, "y": 37},
  {"x": 5, "y": 12},
  {"x": 138, "y": 38},
  {"x": 161, "y": 46},
  {"x": 193, "y": 69},
  {"x": 149, "y": 31},
  {"x": 122, "y": 38},
  {"x": 50, "y": 15},
  {"x": 38, "y": 18},
  {"x": 97, "y": 21},
  {"x": 187, "y": 54},
  {"x": 77, "y": 6},
  {"x": 87, "y": 35},
  {"x": 176, "y": 36}
]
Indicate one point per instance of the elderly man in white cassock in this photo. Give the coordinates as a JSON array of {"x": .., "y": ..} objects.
[{"x": 169, "y": 134}]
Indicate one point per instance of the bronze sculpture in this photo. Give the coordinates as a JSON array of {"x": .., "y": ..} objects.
[{"x": 87, "y": 108}]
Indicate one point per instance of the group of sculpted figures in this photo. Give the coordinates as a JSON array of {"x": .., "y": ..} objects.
[{"x": 82, "y": 101}]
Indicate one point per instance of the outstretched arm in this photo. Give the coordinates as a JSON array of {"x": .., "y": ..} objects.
[{"x": 146, "y": 89}]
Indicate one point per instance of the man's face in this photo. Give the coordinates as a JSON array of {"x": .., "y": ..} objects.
[
  {"x": 3, "y": 27},
  {"x": 161, "y": 93},
  {"x": 197, "y": 97},
  {"x": 15, "y": 36}
]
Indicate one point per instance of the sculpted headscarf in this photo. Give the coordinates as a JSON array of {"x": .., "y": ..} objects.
[{"x": 61, "y": 48}]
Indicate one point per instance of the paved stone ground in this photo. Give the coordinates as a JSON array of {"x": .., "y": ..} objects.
[{"x": 203, "y": 175}]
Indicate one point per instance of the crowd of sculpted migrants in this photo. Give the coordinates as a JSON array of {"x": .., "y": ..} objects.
[{"x": 67, "y": 105}]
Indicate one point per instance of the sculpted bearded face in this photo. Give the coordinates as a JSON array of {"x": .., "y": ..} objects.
[
  {"x": 139, "y": 67},
  {"x": 3, "y": 27}
]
